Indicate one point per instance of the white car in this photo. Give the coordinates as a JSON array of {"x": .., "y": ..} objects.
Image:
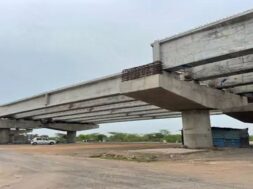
[{"x": 41, "y": 140}]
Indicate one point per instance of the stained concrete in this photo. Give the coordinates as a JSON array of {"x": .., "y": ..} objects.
[
  {"x": 4, "y": 136},
  {"x": 71, "y": 135},
  {"x": 243, "y": 113},
  {"x": 197, "y": 129},
  {"x": 166, "y": 91},
  {"x": 221, "y": 40}
]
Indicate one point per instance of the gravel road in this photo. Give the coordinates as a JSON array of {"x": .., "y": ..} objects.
[{"x": 22, "y": 170}]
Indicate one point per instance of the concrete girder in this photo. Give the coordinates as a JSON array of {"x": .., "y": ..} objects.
[
  {"x": 108, "y": 116},
  {"x": 242, "y": 89},
  {"x": 124, "y": 120},
  {"x": 101, "y": 113},
  {"x": 112, "y": 119},
  {"x": 243, "y": 113},
  {"x": 246, "y": 117},
  {"x": 96, "y": 89},
  {"x": 121, "y": 119},
  {"x": 169, "y": 93},
  {"x": 20, "y": 124},
  {"x": 113, "y": 108},
  {"x": 71, "y": 127},
  {"x": 129, "y": 120},
  {"x": 134, "y": 118},
  {"x": 137, "y": 117},
  {"x": 29, "y": 124},
  {"x": 232, "y": 81},
  {"x": 89, "y": 104},
  {"x": 247, "y": 108},
  {"x": 109, "y": 113},
  {"x": 96, "y": 118},
  {"x": 225, "y": 68},
  {"x": 148, "y": 112},
  {"x": 227, "y": 38}
]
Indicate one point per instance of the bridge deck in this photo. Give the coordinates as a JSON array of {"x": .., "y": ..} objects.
[
  {"x": 97, "y": 101},
  {"x": 218, "y": 55}
]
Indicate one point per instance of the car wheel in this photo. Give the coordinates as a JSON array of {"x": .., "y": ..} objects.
[
  {"x": 51, "y": 143},
  {"x": 35, "y": 143}
]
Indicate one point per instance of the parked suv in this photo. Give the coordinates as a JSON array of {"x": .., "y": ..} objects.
[{"x": 41, "y": 140}]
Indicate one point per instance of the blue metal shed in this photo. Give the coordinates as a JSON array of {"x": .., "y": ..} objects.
[{"x": 230, "y": 137}]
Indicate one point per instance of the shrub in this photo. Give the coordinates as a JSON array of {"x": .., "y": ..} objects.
[{"x": 161, "y": 136}]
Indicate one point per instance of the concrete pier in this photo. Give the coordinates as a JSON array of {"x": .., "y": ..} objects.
[
  {"x": 4, "y": 136},
  {"x": 71, "y": 136},
  {"x": 197, "y": 129}
]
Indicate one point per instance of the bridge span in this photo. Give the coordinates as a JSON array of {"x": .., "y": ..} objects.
[{"x": 207, "y": 70}]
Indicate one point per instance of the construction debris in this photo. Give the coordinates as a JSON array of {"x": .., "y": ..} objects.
[{"x": 142, "y": 71}]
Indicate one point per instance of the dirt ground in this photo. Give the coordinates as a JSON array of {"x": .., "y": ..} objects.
[{"x": 71, "y": 166}]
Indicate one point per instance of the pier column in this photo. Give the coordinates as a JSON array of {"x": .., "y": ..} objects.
[
  {"x": 197, "y": 129},
  {"x": 4, "y": 136},
  {"x": 71, "y": 137}
]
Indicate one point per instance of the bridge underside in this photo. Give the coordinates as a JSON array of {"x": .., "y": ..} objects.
[
  {"x": 206, "y": 70},
  {"x": 156, "y": 96},
  {"x": 101, "y": 110}
]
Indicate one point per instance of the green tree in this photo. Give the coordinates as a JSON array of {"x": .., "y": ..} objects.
[
  {"x": 161, "y": 136},
  {"x": 61, "y": 138},
  {"x": 164, "y": 132},
  {"x": 251, "y": 138}
]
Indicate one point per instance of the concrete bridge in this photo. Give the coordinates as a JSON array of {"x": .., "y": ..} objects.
[{"x": 207, "y": 70}]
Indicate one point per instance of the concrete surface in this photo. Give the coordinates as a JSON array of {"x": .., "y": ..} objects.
[
  {"x": 197, "y": 129},
  {"x": 243, "y": 113},
  {"x": 4, "y": 136},
  {"x": 223, "y": 68},
  {"x": 234, "y": 81},
  {"x": 169, "y": 151},
  {"x": 166, "y": 91},
  {"x": 31, "y": 124},
  {"x": 104, "y": 87},
  {"x": 69, "y": 166},
  {"x": 71, "y": 136},
  {"x": 221, "y": 40}
]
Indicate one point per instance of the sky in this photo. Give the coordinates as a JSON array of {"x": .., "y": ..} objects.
[{"x": 49, "y": 44}]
